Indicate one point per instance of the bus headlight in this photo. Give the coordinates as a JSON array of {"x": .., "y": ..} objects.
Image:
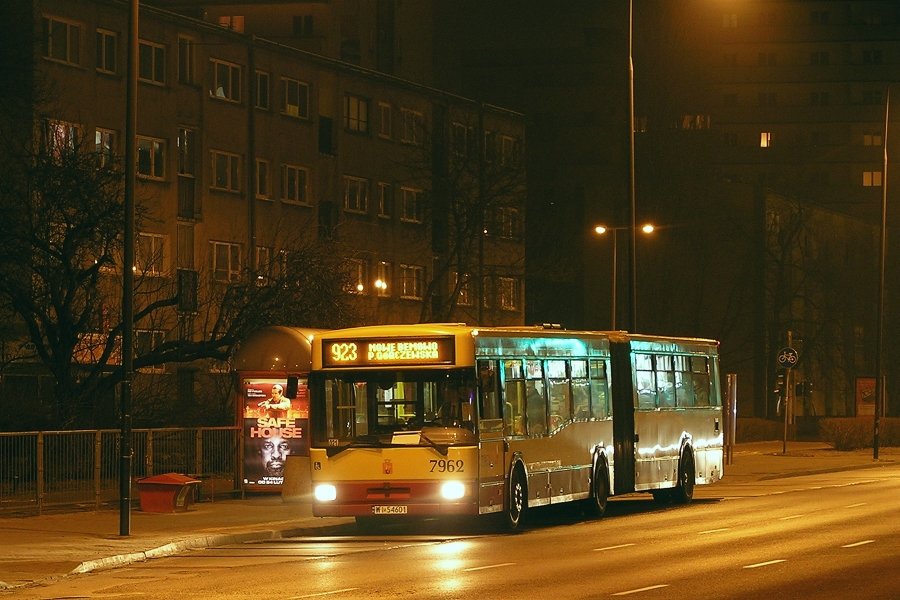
[
  {"x": 325, "y": 492},
  {"x": 453, "y": 490}
]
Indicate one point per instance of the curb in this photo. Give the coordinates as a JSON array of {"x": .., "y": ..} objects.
[{"x": 199, "y": 542}]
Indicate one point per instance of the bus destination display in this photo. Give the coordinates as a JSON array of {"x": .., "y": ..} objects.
[{"x": 402, "y": 351}]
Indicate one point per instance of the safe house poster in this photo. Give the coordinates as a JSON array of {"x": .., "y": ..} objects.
[{"x": 275, "y": 427}]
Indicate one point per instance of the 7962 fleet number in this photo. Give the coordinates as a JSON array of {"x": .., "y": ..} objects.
[{"x": 447, "y": 466}]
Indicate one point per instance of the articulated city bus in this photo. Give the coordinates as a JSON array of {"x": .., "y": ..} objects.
[{"x": 449, "y": 419}]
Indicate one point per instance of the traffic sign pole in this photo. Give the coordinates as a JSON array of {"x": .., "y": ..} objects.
[{"x": 787, "y": 359}]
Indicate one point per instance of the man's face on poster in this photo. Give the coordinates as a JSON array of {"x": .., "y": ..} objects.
[{"x": 273, "y": 451}]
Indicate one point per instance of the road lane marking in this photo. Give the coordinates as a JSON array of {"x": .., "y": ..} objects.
[
  {"x": 858, "y": 504},
  {"x": 765, "y": 564},
  {"x": 862, "y": 543},
  {"x": 489, "y": 567},
  {"x": 324, "y": 593},
  {"x": 713, "y": 531},
  {"x": 791, "y": 517},
  {"x": 643, "y": 589},
  {"x": 612, "y": 547}
]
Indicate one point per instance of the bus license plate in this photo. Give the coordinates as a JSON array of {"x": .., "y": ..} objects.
[{"x": 388, "y": 510}]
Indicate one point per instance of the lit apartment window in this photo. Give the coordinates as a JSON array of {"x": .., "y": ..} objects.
[
  {"x": 385, "y": 199},
  {"x": 262, "y": 179},
  {"x": 145, "y": 342},
  {"x": 263, "y": 261},
  {"x": 303, "y": 25},
  {"x": 510, "y": 293},
  {"x": 465, "y": 291},
  {"x": 356, "y": 114},
  {"x": 356, "y": 275},
  {"x": 383, "y": 280},
  {"x": 152, "y": 63},
  {"x": 871, "y": 178},
  {"x": 463, "y": 139},
  {"x": 186, "y": 64},
  {"x": 385, "y": 122},
  {"x": 225, "y": 261},
  {"x": 150, "y": 254},
  {"x": 765, "y": 139},
  {"x": 151, "y": 155},
  {"x": 356, "y": 194},
  {"x": 413, "y": 126},
  {"x": 233, "y": 22},
  {"x": 186, "y": 151},
  {"x": 262, "y": 90},
  {"x": 60, "y": 138},
  {"x": 509, "y": 151},
  {"x": 296, "y": 98},
  {"x": 226, "y": 171},
  {"x": 62, "y": 40},
  {"x": 411, "y": 205},
  {"x": 294, "y": 184},
  {"x": 105, "y": 143},
  {"x": 226, "y": 80},
  {"x": 106, "y": 51},
  {"x": 872, "y": 139},
  {"x": 412, "y": 281}
]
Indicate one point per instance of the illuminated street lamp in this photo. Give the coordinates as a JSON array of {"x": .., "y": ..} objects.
[{"x": 601, "y": 230}]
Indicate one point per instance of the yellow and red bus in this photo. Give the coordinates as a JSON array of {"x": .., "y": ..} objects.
[{"x": 449, "y": 419}]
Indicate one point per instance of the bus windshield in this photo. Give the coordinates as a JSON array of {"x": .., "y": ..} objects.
[{"x": 393, "y": 407}]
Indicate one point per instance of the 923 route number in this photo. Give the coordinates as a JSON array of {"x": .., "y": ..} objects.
[{"x": 447, "y": 466}]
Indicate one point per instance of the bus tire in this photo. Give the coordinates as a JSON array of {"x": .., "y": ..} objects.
[
  {"x": 596, "y": 504},
  {"x": 518, "y": 498},
  {"x": 683, "y": 492}
]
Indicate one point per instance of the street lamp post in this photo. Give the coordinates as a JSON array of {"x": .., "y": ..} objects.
[
  {"x": 602, "y": 229},
  {"x": 632, "y": 297},
  {"x": 879, "y": 339}
]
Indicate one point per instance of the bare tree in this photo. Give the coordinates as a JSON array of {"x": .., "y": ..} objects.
[
  {"x": 476, "y": 180},
  {"x": 62, "y": 243}
]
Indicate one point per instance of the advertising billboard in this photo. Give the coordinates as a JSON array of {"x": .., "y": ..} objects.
[{"x": 275, "y": 426}]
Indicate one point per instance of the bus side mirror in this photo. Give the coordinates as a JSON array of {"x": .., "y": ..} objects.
[{"x": 293, "y": 382}]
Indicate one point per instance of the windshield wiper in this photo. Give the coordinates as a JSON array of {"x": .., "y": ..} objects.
[
  {"x": 366, "y": 441},
  {"x": 444, "y": 450}
]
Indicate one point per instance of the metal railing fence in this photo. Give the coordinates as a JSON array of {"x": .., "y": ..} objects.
[{"x": 43, "y": 469}]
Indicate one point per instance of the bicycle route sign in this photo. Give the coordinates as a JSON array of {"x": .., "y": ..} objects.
[{"x": 787, "y": 358}]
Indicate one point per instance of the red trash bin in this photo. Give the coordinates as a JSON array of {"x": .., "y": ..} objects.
[{"x": 169, "y": 492}]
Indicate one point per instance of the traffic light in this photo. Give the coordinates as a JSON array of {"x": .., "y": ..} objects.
[
  {"x": 779, "y": 383},
  {"x": 803, "y": 388}
]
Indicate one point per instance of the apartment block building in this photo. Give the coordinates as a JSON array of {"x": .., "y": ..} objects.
[{"x": 244, "y": 143}]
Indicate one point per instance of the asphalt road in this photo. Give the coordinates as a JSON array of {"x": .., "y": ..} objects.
[{"x": 826, "y": 536}]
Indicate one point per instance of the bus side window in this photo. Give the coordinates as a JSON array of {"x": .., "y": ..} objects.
[
  {"x": 513, "y": 397},
  {"x": 684, "y": 382},
  {"x": 559, "y": 393},
  {"x": 489, "y": 400},
  {"x": 599, "y": 390},
  {"x": 536, "y": 398},
  {"x": 700, "y": 372},
  {"x": 665, "y": 381},
  {"x": 581, "y": 391},
  {"x": 646, "y": 382}
]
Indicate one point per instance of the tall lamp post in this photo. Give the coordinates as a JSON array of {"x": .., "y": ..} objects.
[
  {"x": 879, "y": 339},
  {"x": 601, "y": 230},
  {"x": 632, "y": 297}
]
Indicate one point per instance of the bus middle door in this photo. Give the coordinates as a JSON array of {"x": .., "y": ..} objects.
[{"x": 491, "y": 441}]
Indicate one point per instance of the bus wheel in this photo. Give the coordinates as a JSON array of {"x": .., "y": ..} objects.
[
  {"x": 596, "y": 504},
  {"x": 518, "y": 499},
  {"x": 684, "y": 491}
]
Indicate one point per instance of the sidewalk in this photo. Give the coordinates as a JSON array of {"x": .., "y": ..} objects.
[{"x": 53, "y": 546}]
